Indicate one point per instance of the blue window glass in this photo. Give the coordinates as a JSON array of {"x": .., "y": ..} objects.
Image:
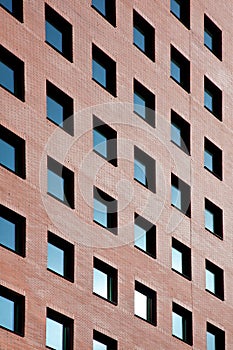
[
  {"x": 139, "y": 38},
  {"x": 139, "y": 105},
  {"x": 7, "y": 233},
  {"x": 210, "y": 281},
  {"x": 175, "y": 8},
  {"x": 100, "y": 283},
  {"x": 7, "y": 77},
  {"x": 56, "y": 185},
  {"x": 53, "y": 36},
  {"x": 208, "y": 100},
  {"x": 208, "y": 39},
  {"x": 7, "y": 155},
  {"x": 177, "y": 263},
  {"x": 208, "y": 160},
  {"x": 6, "y": 313},
  {"x": 177, "y": 325},
  {"x": 176, "y": 134},
  {"x": 140, "y": 172},
  {"x": 55, "y": 111},
  {"x": 140, "y": 237},
  {"x": 209, "y": 220},
  {"x": 55, "y": 259},
  {"x": 210, "y": 341},
  {"x": 175, "y": 71},
  {"x": 100, "y": 213},
  {"x": 8, "y": 4},
  {"x": 54, "y": 334},
  {"x": 99, "y": 73},
  {"x": 100, "y": 143},
  {"x": 100, "y": 5},
  {"x": 99, "y": 346},
  {"x": 176, "y": 197}
]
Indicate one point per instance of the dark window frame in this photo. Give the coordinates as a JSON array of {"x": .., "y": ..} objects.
[
  {"x": 219, "y": 279},
  {"x": 186, "y": 259},
  {"x": 19, "y": 146},
  {"x": 109, "y": 65},
  {"x": 68, "y": 177},
  {"x": 185, "y": 191},
  {"x": 151, "y": 296},
  {"x": 184, "y": 12},
  {"x": 216, "y": 153},
  {"x": 111, "y": 136},
  {"x": 150, "y": 166},
  {"x": 64, "y": 27},
  {"x": 17, "y": 9},
  {"x": 112, "y": 280},
  {"x": 104, "y": 339},
  {"x": 212, "y": 29},
  {"x": 184, "y": 128},
  {"x": 184, "y": 64},
  {"x": 187, "y": 324},
  {"x": 216, "y": 93},
  {"x": 17, "y": 66},
  {"x": 149, "y": 99},
  {"x": 148, "y": 32},
  {"x": 19, "y": 310},
  {"x": 218, "y": 218},
  {"x": 150, "y": 235},
  {"x": 110, "y": 11},
  {"x": 68, "y": 249},
  {"x": 220, "y": 336}
]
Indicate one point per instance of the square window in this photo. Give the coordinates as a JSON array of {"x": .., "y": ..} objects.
[
  {"x": 14, "y": 7},
  {"x": 213, "y": 219},
  {"x": 12, "y": 231},
  {"x": 213, "y": 98},
  {"x": 212, "y": 37},
  {"x": 144, "y": 103},
  {"x": 103, "y": 70},
  {"x": 213, "y": 158},
  {"x": 181, "y": 9},
  {"x": 59, "y": 108},
  {"x": 145, "y": 235},
  {"x": 105, "y": 210},
  {"x": 12, "y": 310},
  {"x": 143, "y": 36},
  {"x": 12, "y": 152},
  {"x": 215, "y": 338},
  {"x": 182, "y": 323},
  {"x": 214, "y": 280},
  {"x": 105, "y": 281},
  {"x": 145, "y": 303},
  {"x": 107, "y": 9},
  {"x": 59, "y": 331},
  {"x": 60, "y": 257},
  {"x": 180, "y": 69},
  {"x": 105, "y": 141},
  {"x": 144, "y": 169},
  {"x": 11, "y": 73},
  {"x": 180, "y": 195},
  {"x": 103, "y": 342},
  {"x": 180, "y": 132},
  {"x": 181, "y": 259},
  {"x": 60, "y": 182},
  {"x": 58, "y": 32}
]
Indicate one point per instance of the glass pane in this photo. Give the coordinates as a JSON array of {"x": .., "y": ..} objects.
[
  {"x": 176, "y": 197},
  {"x": 100, "y": 213},
  {"x": 208, "y": 160},
  {"x": 99, "y": 73},
  {"x": 209, "y": 220},
  {"x": 56, "y": 185},
  {"x": 99, "y": 346},
  {"x": 210, "y": 341},
  {"x": 7, "y": 77},
  {"x": 55, "y": 111},
  {"x": 176, "y": 135},
  {"x": 7, "y": 4},
  {"x": 140, "y": 172},
  {"x": 53, "y": 36},
  {"x": 100, "y": 143},
  {"x": 177, "y": 260},
  {"x": 56, "y": 259},
  {"x": 7, "y": 155},
  {"x": 7, "y": 233},
  {"x": 175, "y": 8},
  {"x": 100, "y": 283},
  {"x": 140, "y": 304},
  {"x": 140, "y": 237},
  {"x": 7, "y": 313},
  {"x": 100, "y": 5},
  {"x": 139, "y": 105},
  {"x": 177, "y": 325},
  {"x": 208, "y": 39},
  {"x": 210, "y": 281},
  {"x": 208, "y": 100},
  {"x": 139, "y": 38},
  {"x": 175, "y": 71},
  {"x": 54, "y": 334}
]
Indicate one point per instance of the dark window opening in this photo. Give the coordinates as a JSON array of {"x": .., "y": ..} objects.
[
  {"x": 144, "y": 169},
  {"x": 180, "y": 132},
  {"x": 145, "y": 303},
  {"x": 107, "y": 9},
  {"x": 213, "y": 98},
  {"x": 180, "y": 69},
  {"x": 215, "y": 338},
  {"x": 182, "y": 324},
  {"x": 213, "y": 158},
  {"x": 214, "y": 280},
  {"x": 180, "y": 195},
  {"x": 144, "y": 103},
  {"x": 143, "y": 36},
  {"x": 212, "y": 37},
  {"x": 14, "y": 7},
  {"x": 181, "y": 10},
  {"x": 213, "y": 219},
  {"x": 145, "y": 236},
  {"x": 181, "y": 259}
]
